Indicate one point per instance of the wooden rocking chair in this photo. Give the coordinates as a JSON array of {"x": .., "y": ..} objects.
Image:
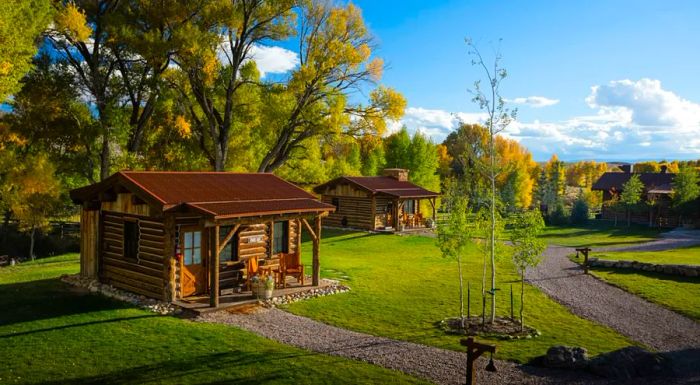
[
  {"x": 251, "y": 270},
  {"x": 290, "y": 264}
]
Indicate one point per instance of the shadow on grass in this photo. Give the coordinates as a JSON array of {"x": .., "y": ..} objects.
[
  {"x": 48, "y": 298},
  {"x": 647, "y": 274},
  {"x": 77, "y": 325}
]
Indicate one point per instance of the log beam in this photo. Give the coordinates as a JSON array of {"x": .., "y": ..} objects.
[
  {"x": 214, "y": 268},
  {"x": 228, "y": 237},
  {"x": 312, "y": 233},
  {"x": 316, "y": 278}
]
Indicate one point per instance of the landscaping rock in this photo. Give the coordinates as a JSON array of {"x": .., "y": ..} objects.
[
  {"x": 333, "y": 287},
  {"x": 628, "y": 363},
  {"x": 109, "y": 291},
  {"x": 566, "y": 357}
]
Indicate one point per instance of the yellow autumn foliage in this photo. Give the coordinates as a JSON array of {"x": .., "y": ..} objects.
[
  {"x": 72, "y": 22},
  {"x": 183, "y": 127}
]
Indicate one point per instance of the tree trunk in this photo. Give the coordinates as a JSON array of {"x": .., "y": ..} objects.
[
  {"x": 31, "y": 242},
  {"x": 493, "y": 227},
  {"x": 522, "y": 299},
  {"x": 461, "y": 293}
]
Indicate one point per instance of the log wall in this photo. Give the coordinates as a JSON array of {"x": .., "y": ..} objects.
[
  {"x": 124, "y": 204},
  {"x": 357, "y": 212},
  {"x": 143, "y": 274},
  {"x": 89, "y": 242}
]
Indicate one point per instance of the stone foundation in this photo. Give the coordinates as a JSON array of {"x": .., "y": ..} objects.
[{"x": 681, "y": 270}]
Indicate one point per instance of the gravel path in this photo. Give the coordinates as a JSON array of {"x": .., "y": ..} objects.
[
  {"x": 669, "y": 240},
  {"x": 437, "y": 365},
  {"x": 591, "y": 298}
]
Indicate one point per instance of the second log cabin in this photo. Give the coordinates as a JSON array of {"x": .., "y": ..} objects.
[{"x": 174, "y": 235}]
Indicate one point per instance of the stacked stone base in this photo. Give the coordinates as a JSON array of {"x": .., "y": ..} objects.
[{"x": 681, "y": 270}]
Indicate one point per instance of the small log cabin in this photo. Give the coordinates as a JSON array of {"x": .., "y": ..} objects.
[
  {"x": 658, "y": 187},
  {"x": 387, "y": 202},
  {"x": 173, "y": 235}
]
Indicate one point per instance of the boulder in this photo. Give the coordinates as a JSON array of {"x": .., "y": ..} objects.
[
  {"x": 628, "y": 363},
  {"x": 566, "y": 357}
]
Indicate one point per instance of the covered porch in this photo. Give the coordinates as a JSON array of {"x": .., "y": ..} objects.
[
  {"x": 273, "y": 264},
  {"x": 404, "y": 213}
]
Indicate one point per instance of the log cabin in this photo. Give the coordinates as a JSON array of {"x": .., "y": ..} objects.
[
  {"x": 658, "y": 188},
  {"x": 377, "y": 203},
  {"x": 176, "y": 235}
]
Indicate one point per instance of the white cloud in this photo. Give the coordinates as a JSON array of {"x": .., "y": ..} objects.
[
  {"x": 630, "y": 120},
  {"x": 269, "y": 59},
  {"x": 534, "y": 101},
  {"x": 436, "y": 124}
]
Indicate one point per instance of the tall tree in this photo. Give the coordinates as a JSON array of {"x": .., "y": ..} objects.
[
  {"x": 498, "y": 118},
  {"x": 79, "y": 38},
  {"x": 631, "y": 195},
  {"x": 222, "y": 40},
  {"x": 686, "y": 190},
  {"x": 21, "y": 24},
  {"x": 335, "y": 62}
]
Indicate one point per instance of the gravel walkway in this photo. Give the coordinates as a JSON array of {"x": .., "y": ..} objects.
[
  {"x": 437, "y": 365},
  {"x": 669, "y": 240},
  {"x": 591, "y": 298}
]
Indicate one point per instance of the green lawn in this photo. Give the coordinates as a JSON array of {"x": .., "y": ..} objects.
[
  {"x": 401, "y": 287},
  {"x": 681, "y": 256},
  {"x": 599, "y": 234},
  {"x": 53, "y": 334},
  {"x": 681, "y": 294}
]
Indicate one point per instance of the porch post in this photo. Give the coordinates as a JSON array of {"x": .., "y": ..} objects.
[
  {"x": 316, "y": 278},
  {"x": 433, "y": 202},
  {"x": 214, "y": 268}
]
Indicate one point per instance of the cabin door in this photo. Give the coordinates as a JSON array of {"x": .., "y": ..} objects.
[{"x": 192, "y": 272}]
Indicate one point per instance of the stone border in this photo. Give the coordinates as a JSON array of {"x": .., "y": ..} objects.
[
  {"x": 680, "y": 270},
  {"x": 333, "y": 288},
  {"x": 109, "y": 291}
]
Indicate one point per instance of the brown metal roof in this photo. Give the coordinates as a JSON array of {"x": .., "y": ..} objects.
[
  {"x": 615, "y": 180},
  {"x": 383, "y": 185},
  {"x": 222, "y": 210},
  {"x": 212, "y": 193}
]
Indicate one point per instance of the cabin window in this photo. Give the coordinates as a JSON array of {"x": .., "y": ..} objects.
[
  {"x": 389, "y": 207},
  {"x": 280, "y": 243},
  {"x": 192, "y": 247},
  {"x": 131, "y": 239},
  {"x": 230, "y": 252},
  {"x": 409, "y": 207},
  {"x": 336, "y": 203}
]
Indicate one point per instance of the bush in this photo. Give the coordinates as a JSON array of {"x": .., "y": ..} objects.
[
  {"x": 558, "y": 215},
  {"x": 579, "y": 211}
]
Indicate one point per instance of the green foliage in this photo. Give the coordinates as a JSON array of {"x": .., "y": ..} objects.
[
  {"x": 632, "y": 191},
  {"x": 21, "y": 24},
  {"x": 686, "y": 189},
  {"x": 579, "y": 211},
  {"x": 525, "y": 235}
]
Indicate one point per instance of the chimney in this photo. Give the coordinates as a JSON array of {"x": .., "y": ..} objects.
[
  {"x": 664, "y": 168},
  {"x": 397, "y": 173},
  {"x": 627, "y": 168}
]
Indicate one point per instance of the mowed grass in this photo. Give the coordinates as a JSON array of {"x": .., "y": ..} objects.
[
  {"x": 680, "y": 256},
  {"x": 599, "y": 234},
  {"x": 53, "y": 334},
  {"x": 680, "y": 294},
  {"x": 401, "y": 287}
]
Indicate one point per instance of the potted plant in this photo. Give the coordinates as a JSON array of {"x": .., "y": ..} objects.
[{"x": 262, "y": 286}]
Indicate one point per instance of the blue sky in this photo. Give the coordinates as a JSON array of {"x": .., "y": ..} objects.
[{"x": 643, "y": 56}]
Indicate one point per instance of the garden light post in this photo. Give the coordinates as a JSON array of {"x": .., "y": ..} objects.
[{"x": 474, "y": 350}]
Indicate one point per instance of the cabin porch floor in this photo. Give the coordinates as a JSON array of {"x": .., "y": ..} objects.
[{"x": 231, "y": 299}]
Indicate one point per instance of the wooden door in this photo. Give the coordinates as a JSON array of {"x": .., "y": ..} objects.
[{"x": 193, "y": 272}]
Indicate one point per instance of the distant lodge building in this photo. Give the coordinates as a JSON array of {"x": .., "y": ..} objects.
[
  {"x": 658, "y": 187},
  {"x": 188, "y": 235},
  {"x": 387, "y": 203}
]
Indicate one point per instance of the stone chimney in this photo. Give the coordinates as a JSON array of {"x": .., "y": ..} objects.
[
  {"x": 397, "y": 173},
  {"x": 627, "y": 168},
  {"x": 664, "y": 169}
]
